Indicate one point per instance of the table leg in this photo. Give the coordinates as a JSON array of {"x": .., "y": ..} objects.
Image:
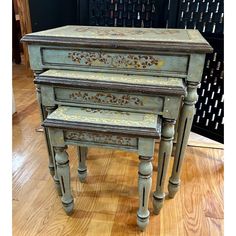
[
  {"x": 144, "y": 188},
  {"x": 165, "y": 150},
  {"x": 45, "y": 111},
  {"x": 63, "y": 171},
  {"x": 186, "y": 119},
  {"x": 51, "y": 165},
  {"x": 82, "y": 169},
  {"x": 49, "y": 110},
  {"x": 51, "y": 155}
]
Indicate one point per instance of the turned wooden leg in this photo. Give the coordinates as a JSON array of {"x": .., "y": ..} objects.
[
  {"x": 82, "y": 169},
  {"x": 165, "y": 150},
  {"x": 51, "y": 155},
  {"x": 186, "y": 119},
  {"x": 63, "y": 171},
  {"x": 43, "y": 114},
  {"x": 51, "y": 165},
  {"x": 175, "y": 138},
  {"x": 49, "y": 110},
  {"x": 144, "y": 187}
]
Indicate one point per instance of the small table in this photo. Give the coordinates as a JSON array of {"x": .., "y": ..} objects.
[{"x": 86, "y": 127}]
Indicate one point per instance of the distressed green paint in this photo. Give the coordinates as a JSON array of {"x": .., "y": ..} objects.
[
  {"x": 164, "y": 154},
  {"x": 49, "y": 110},
  {"x": 82, "y": 167},
  {"x": 63, "y": 170},
  {"x": 144, "y": 188},
  {"x": 196, "y": 66},
  {"x": 43, "y": 114},
  {"x": 47, "y": 96},
  {"x": 186, "y": 119},
  {"x": 56, "y": 137},
  {"x": 146, "y": 146},
  {"x": 35, "y": 57},
  {"x": 171, "y": 107}
]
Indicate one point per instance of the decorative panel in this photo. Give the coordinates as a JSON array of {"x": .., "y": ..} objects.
[{"x": 97, "y": 138}]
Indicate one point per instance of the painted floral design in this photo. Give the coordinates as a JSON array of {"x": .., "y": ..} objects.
[
  {"x": 92, "y": 110},
  {"x": 134, "y": 61},
  {"x": 106, "y": 98},
  {"x": 100, "y": 138},
  {"x": 107, "y": 32}
]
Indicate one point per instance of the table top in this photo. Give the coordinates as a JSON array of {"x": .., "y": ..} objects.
[
  {"x": 102, "y": 120},
  {"x": 105, "y": 117},
  {"x": 149, "y": 84},
  {"x": 178, "y": 39}
]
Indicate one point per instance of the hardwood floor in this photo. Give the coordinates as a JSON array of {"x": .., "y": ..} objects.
[{"x": 106, "y": 203}]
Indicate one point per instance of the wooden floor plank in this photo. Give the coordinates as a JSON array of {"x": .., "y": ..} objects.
[{"x": 106, "y": 204}]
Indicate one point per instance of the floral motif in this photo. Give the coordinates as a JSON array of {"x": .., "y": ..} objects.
[
  {"x": 105, "y": 111},
  {"x": 107, "y": 98},
  {"x": 100, "y": 138},
  {"x": 116, "y": 60},
  {"x": 123, "y": 33},
  {"x": 89, "y": 58}
]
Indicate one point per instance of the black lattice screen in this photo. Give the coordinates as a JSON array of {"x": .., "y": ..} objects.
[
  {"x": 208, "y": 120},
  {"x": 206, "y": 16},
  {"x": 129, "y": 13}
]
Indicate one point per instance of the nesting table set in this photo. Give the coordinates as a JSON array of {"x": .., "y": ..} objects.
[{"x": 119, "y": 88}]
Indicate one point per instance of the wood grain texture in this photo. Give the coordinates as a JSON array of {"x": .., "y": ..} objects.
[
  {"x": 25, "y": 25},
  {"x": 106, "y": 204}
]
